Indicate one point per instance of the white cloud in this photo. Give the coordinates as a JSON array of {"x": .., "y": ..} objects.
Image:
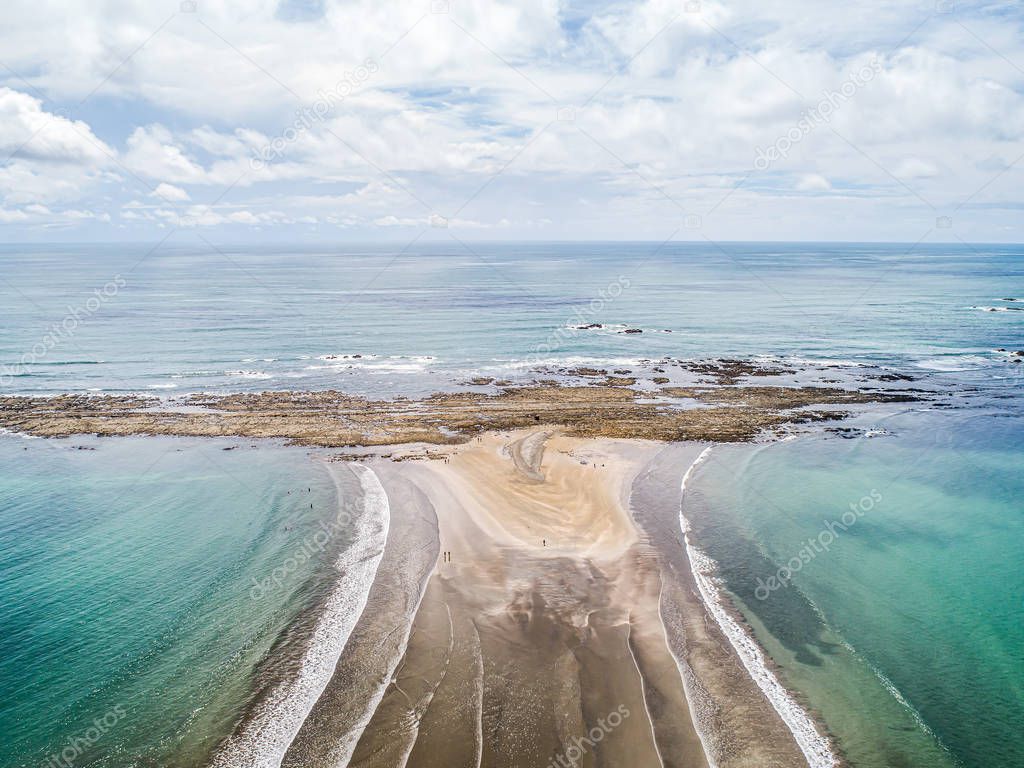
[
  {"x": 9, "y": 217},
  {"x": 813, "y": 182},
  {"x": 170, "y": 193},
  {"x": 394, "y": 221},
  {"x": 669, "y": 109},
  {"x": 28, "y": 131},
  {"x": 152, "y": 152},
  {"x": 915, "y": 168}
]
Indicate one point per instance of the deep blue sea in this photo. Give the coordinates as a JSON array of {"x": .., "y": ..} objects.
[{"x": 127, "y": 565}]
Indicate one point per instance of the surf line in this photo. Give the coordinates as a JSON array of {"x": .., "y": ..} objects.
[
  {"x": 815, "y": 747},
  {"x": 264, "y": 739}
]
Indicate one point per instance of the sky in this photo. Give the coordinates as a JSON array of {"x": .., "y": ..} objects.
[{"x": 313, "y": 120}]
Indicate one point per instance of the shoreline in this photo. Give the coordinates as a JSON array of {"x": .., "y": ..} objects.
[
  {"x": 818, "y": 749},
  {"x": 509, "y": 620},
  {"x": 607, "y": 590},
  {"x": 368, "y": 661},
  {"x": 527, "y": 457},
  {"x": 267, "y": 731},
  {"x": 537, "y": 612}
]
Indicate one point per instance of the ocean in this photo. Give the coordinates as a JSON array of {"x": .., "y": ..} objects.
[{"x": 144, "y": 594}]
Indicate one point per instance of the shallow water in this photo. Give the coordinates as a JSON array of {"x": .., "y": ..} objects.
[
  {"x": 128, "y": 590},
  {"x": 901, "y": 617},
  {"x": 127, "y": 571}
]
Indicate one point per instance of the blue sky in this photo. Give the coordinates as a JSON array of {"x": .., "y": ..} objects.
[{"x": 313, "y": 120}]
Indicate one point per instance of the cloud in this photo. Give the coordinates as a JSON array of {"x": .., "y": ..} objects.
[
  {"x": 813, "y": 182},
  {"x": 194, "y": 216},
  {"x": 915, "y": 168},
  {"x": 152, "y": 152},
  {"x": 170, "y": 193},
  {"x": 27, "y": 131},
  {"x": 9, "y": 217},
  {"x": 663, "y": 103},
  {"x": 41, "y": 216},
  {"x": 394, "y": 221}
]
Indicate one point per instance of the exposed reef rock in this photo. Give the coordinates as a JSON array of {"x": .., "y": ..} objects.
[{"x": 332, "y": 418}]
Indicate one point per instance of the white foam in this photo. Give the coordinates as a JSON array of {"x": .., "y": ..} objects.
[
  {"x": 411, "y": 367},
  {"x": 515, "y": 365},
  {"x": 248, "y": 374},
  {"x": 343, "y": 357},
  {"x": 188, "y": 374},
  {"x": 22, "y": 435},
  {"x": 814, "y": 746},
  {"x": 953, "y": 364},
  {"x": 828, "y": 362},
  {"x": 265, "y": 737},
  {"x": 374, "y": 363},
  {"x": 347, "y": 742},
  {"x": 382, "y": 367},
  {"x": 895, "y": 693}
]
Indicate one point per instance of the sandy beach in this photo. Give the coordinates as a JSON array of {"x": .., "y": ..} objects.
[
  {"x": 552, "y": 629},
  {"x": 535, "y": 602},
  {"x": 496, "y": 384}
]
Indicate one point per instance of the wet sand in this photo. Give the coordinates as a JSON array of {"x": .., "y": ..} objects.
[{"x": 539, "y": 637}]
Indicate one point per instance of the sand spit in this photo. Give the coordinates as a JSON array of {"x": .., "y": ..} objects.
[
  {"x": 535, "y": 604},
  {"x": 539, "y": 635},
  {"x": 558, "y": 626}
]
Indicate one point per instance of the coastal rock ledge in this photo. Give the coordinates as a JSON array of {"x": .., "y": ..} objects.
[{"x": 332, "y": 418}]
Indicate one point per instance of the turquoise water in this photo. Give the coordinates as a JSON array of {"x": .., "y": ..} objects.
[
  {"x": 126, "y": 571},
  {"x": 906, "y": 632},
  {"x": 126, "y": 591}
]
